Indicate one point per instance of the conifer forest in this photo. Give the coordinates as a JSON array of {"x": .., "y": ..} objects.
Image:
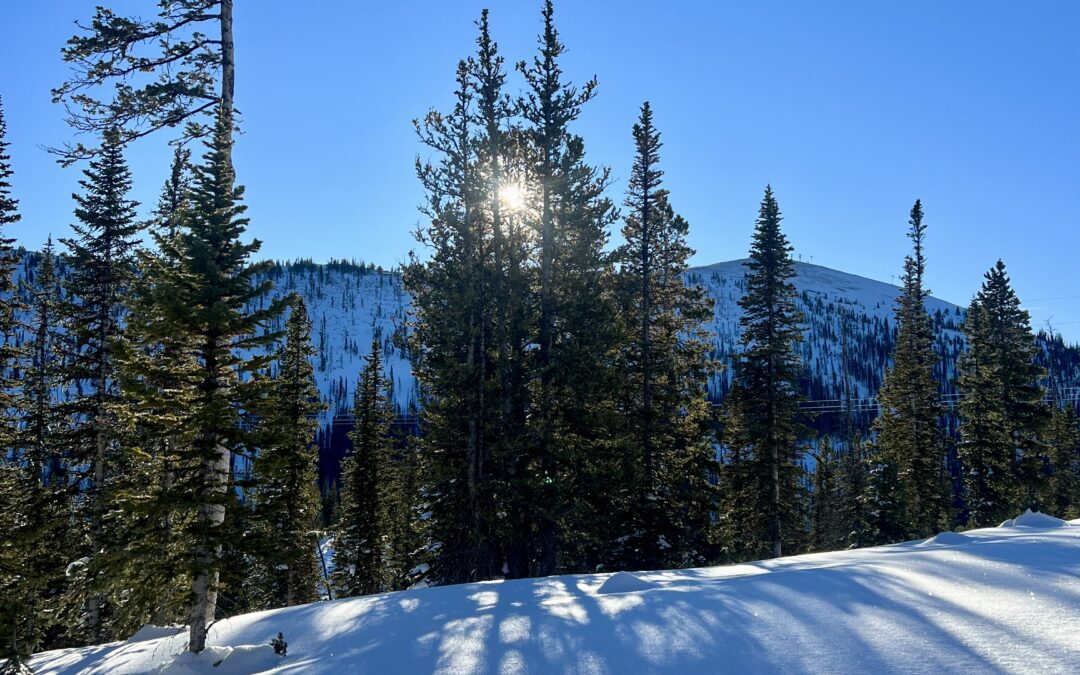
[{"x": 547, "y": 384}]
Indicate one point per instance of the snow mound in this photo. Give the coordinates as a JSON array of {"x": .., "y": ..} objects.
[
  {"x": 1031, "y": 518},
  {"x": 152, "y": 632},
  {"x": 624, "y": 582},
  {"x": 946, "y": 539},
  {"x": 215, "y": 660}
]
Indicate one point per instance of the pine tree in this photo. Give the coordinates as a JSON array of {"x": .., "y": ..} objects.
[
  {"x": 13, "y": 609},
  {"x": 195, "y": 73},
  {"x": 32, "y": 557},
  {"x": 154, "y": 364},
  {"x": 286, "y": 497},
  {"x": 909, "y": 491},
  {"x": 764, "y": 475},
  {"x": 828, "y": 531},
  {"x": 210, "y": 297},
  {"x": 9, "y": 301},
  {"x": 502, "y": 203},
  {"x": 1062, "y": 488},
  {"x": 1002, "y": 413},
  {"x": 455, "y": 362},
  {"x": 370, "y": 490},
  {"x": 101, "y": 257},
  {"x": 572, "y": 411},
  {"x": 667, "y": 459}
]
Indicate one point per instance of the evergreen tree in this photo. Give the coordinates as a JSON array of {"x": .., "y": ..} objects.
[
  {"x": 210, "y": 297},
  {"x": 1002, "y": 416},
  {"x": 149, "y": 559},
  {"x": 370, "y": 490},
  {"x": 572, "y": 408},
  {"x": 1062, "y": 487},
  {"x": 764, "y": 476},
  {"x": 188, "y": 48},
  {"x": 909, "y": 493},
  {"x": 9, "y": 301},
  {"x": 502, "y": 205},
  {"x": 101, "y": 258},
  {"x": 455, "y": 362},
  {"x": 13, "y": 610},
  {"x": 286, "y": 496},
  {"x": 32, "y": 556},
  {"x": 666, "y": 459},
  {"x": 828, "y": 531}
]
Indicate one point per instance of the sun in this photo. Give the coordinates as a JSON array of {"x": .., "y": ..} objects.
[{"x": 512, "y": 196}]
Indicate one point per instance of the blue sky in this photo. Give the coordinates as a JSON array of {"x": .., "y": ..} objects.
[{"x": 850, "y": 110}]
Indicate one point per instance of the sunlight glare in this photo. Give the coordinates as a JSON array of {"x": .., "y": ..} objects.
[{"x": 512, "y": 196}]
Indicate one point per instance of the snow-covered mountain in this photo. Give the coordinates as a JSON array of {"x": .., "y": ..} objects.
[
  {"x": 845, "y": 314},
  {"x": 1004, "y": 599}
]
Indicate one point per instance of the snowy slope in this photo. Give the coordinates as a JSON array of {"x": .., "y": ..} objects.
[
  {"x": 1001, "y": 599},
  {"x": 347, "y": 303}
]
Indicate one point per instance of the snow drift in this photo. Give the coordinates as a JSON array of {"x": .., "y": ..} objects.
[{"x": 994, "y": 600}]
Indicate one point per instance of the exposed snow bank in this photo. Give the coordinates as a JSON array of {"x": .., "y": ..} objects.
[
  {"x": 242, "y": 660},
  {"x": 947, "y": 539},
  {"x": 624, "y": 582},
  {"x": 1034, "y": 519},
  {"x": 1008, "y": 602},
  {"x": 152, "y": 632}
]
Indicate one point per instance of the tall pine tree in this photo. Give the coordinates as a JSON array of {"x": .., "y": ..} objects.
[
  {"x": 210, "y": 299},
  {"x": 573, "y": 380},
  {"x": 286, "y": 497},
  {"x": 101, "y": 255},
  {"x": 908, "y": 495},
  {"x": 370, "y": 490},
  {"x": 766, "y": 500},
  {"x": 666, "y": 459},
  {"x": 1002, "y": 415}
]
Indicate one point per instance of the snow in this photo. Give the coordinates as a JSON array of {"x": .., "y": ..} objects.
[
  {"x": 624, "y": 582},
  {"x": 213, "y": 660},
  {"x": 947, "y": 539},
  {"x": 152, "y": 632},
  {"x": 992, "y": 600},
  {"x": 1034, "y": 519}
]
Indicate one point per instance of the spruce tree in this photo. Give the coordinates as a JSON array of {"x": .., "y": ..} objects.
[
  {"x": 102, "y": 267},
  {"x": 154, "y": 365},
  {"x": 188, "y": 48},
  {"x": 1062, "y": 488},
  {"x": 666, "y": 457},
  {"x": 370, "y": 491},
  {"x": 286, "y": 497},
  {"x": 766, "y": 497},
  {"x": 456, "y": 363},
  {"x": 9, "y": 301},
  {"x": 1002, "y": 415},
  {"x": 210, "y": 297},
  {"x": 32, "y": 555},
  {"x": 828, "y": 529},
  {"x": 572, "y": 407},
  {"x": 503, "y": 198},
  {"x": 908, "y": 492}
]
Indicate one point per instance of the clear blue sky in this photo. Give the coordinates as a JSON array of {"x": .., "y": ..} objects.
[{"x": 850, "y": 109}]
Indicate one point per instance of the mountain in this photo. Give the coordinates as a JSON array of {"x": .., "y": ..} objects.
[
  {"x": 848, "y": 340},
  {"x": 1001, "y": 599}
]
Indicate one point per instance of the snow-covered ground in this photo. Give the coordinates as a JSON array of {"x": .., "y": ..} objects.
[{"x": 1003, "y": 599}]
